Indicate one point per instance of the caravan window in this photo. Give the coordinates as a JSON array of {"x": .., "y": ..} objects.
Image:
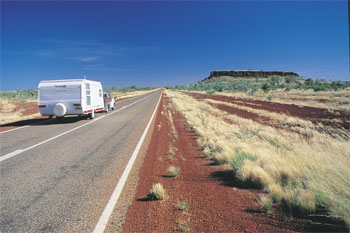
[
  {"x": 100, "y": 92},
  {"x": 88, "y": 97}
]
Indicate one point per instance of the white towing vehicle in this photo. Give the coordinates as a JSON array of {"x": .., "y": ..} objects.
[
  {"x": 108, "y": 101},
  {"x": 70, "y": 97}
]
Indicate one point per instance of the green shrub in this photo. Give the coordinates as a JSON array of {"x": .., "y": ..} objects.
[
  {"x": 247, "y": 133},
  {"x": 275, "y": 80},
  {"x": 253, "y": 90},
  {"x": 320, "y": 88},
  {"x": 309, "y": 82},
  {"x": 237, "y": 161},
  {"x": 288, "y": 88},
  {"x": 242, "y": 85},
  {"x": 290, "y": 79},
  {"x": 266, "y": 87},
  {"x": 321, "y": 198}
]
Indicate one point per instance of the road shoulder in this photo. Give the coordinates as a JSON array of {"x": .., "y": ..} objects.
[{"x": 116, "y": 221}]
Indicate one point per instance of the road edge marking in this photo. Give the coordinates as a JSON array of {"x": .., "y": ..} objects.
[
  {"x": 107, "y": 212},
  {"x": 9, "y": 155}
]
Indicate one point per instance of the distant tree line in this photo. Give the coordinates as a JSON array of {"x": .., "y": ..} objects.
[
  {"x": 33, "y": 93},
  {"x": 20, "y": 94},
  {"x": 272, "y": 83},
  {"x": 126, "y": 89}
]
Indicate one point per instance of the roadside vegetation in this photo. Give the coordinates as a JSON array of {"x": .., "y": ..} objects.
[
  {"x": 127, "y": 92},
  {"x": 127, "y": 89},
  {"x": 265, "y": 203},
  {"x": 174, "y": 171},
  {"x": 287, "y": 83},
  {"x": 18, "y": 105},
  {"x": 157, "y": 192},
  {"x": 20, "y": 95},
  {"x": 182, "y": 205},
  {"x": 304, "y": 170},
  {"x": 289, "y": 89}
]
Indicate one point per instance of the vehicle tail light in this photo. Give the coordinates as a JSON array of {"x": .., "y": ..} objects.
[
  {"x": 77, "y": 104},
  {"x": 42, "y": 105}
]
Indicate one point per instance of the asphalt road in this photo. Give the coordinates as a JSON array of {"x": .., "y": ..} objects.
[{"x": 64, "y": 184}]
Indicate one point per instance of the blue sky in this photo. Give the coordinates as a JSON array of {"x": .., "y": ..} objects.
[{"x": 169, "y": 43}]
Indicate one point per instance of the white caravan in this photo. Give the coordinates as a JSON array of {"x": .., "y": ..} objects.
[{"x": 70, "y": 97}]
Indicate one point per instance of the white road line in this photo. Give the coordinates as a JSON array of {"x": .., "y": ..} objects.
[
  {"x": 2, "y": 158},
  {"x": 10, "y": 155},
  {"x": 102, "y": 222}
]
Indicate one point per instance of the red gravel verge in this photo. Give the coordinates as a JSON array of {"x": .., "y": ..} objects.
[
  {"x": 314, "y": 115},
  {"x": 217, "y": 202}
]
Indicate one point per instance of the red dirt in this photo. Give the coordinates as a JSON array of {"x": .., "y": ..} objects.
[
  {"x": 28, "y": 108},
  {"x": 315, "y": 115},
  {"x": 217, "y": 202}
]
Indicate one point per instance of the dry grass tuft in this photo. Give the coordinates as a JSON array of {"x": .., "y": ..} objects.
[
  {"x": 173, "y": 129},
  {"x": 157, "y": 192},
  {"x": 182, "y": 205},
  {"x": 207, "y": 152},
  {"x": 184, "y": 224},
  {"x": 174, "y": 171},
  {"x": 265, "y": 203},
  {"x": 171, "y": 154},
  {"x": 254, "y": 173},
  {"x": 276, "y": 192}
]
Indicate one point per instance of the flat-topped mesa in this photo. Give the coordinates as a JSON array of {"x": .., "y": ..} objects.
[{"x": 250, "y": 73}]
